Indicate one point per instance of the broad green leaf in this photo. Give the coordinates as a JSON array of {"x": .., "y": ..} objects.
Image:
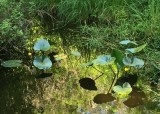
[
  {"x": 60, "y": 57},
  {"x": 42, "y": 62},
  {"x": 135, "y": 62},
  {"x": 11, "y": 63},
  {"x": 123, "y": 90},
  {"x": 76, "y": 53},
  {"x": 137, "y": 49},
  {"x": 42, "y": 45},
  {"x": 125, "y": 42},
  {"x": 119, "y": 56},
  {"x": 104, "y": 60}
]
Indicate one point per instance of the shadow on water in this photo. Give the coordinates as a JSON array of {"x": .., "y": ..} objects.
[{"x": 16, "y": 91}]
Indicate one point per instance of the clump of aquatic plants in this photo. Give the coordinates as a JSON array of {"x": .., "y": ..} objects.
[
  {"x": 42, "y": 61},
  {"x": 123, "y": 84}
]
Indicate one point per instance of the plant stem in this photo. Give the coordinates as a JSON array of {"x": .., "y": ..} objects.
[
  {"x": 99, "y": 76},
  {"x": 115, "y": 75}
]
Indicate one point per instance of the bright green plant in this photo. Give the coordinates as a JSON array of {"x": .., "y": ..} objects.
[
  {"x": 42, "y": 61},
  {"x": 121, "y": 60},
  {"x": 122, "y": 91}
]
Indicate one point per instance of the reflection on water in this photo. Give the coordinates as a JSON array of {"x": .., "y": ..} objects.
[{"x": 22, "y": 93}]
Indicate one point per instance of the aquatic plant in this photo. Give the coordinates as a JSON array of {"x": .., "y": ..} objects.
[{"x": 121, "y": 86}]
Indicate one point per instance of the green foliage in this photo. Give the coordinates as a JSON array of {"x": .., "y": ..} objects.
[
  {"x": 76, "y": 53},
  {"x": 42, "y": 45},
  {"x": 104, "y": 60},
  {"x": 123, "y": 91},
  {"x": 42, "y": 62},
  {"x": 11, "y": 63},
  {"x": 137, "y": 49}
]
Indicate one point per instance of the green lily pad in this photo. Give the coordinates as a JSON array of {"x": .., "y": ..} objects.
[
  {"x": 125, "y": 42},
  {"x": 133, "y": 62},
  {"x": 42, "y": 62},
  {"x": 125, "y": 89},
  {"x": 12, "y": 63},
  {"x": 103, "y": 60},
  {"x": 42, "y": 45},
  {"x": 137, "y": 49},
  {"x": 76, "y": 53}
]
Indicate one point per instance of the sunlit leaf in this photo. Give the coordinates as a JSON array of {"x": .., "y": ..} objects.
[
  {"x": 44, "y": 75},
  {"x": 11, "y": 63},
  {"x": 60, "y": 57},
  {"x": 87, "y": 83},
  {"x": 41, "y": 44},
  {"x": 103, "y": 98},
  {"x": 137, "y": 49},
  {"x": 123, "y": 90},
  {"x": 42, "y": 62},
  {"x": 133, "y": 62},
  {"x": 103, "y": 60},
  {"x": 119, "y": 56},
  {"x": 125, "y": 42},
  {"x": 76, "y": 53}
]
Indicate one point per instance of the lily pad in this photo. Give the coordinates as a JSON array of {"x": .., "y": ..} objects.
[
  {"x": 133, "y": 62},
  {"x": 12, "y": 63},
  {"x": 42, "y": 45},
  {"x": 125, "y": 42},
  {"x": 137, "y": 49},
  {"x": 104, "y": 60},
  {"x": 60, "y": 57},
  {"x": 76, "y": 53},
  {"x": 125, "y": 89},
  {"x": 87, "y": 83},
  {"x": 44, "y": 75},
  {"x": 42, "y": 62},
  {"x": 103, "y": 98}
]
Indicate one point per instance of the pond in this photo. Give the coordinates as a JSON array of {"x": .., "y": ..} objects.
[{"x": 71, "y": 88}]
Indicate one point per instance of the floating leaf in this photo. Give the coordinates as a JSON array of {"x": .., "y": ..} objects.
[
  {"x": 44, "y": 75},
  {"x": 42, "y": 62},
  {"x": 133, "y": 62},
  {"x": 122, "y": 90},
  {"x": 87, "y": 83},
  {"x": 60, "y": 57},
  {"x": 103, "y": 60},
  {"x": 125, "y": 42},
  {"x": 119, "y": 57},
  {"x": 11, "y": 63},
  {"x": 137, "y": 97},
  {"x": 41, "y": 44},
  {"x": 76, "y": 53},
  {"x": 137, "y": 49},
  {"x": 103, "y": 98}
]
